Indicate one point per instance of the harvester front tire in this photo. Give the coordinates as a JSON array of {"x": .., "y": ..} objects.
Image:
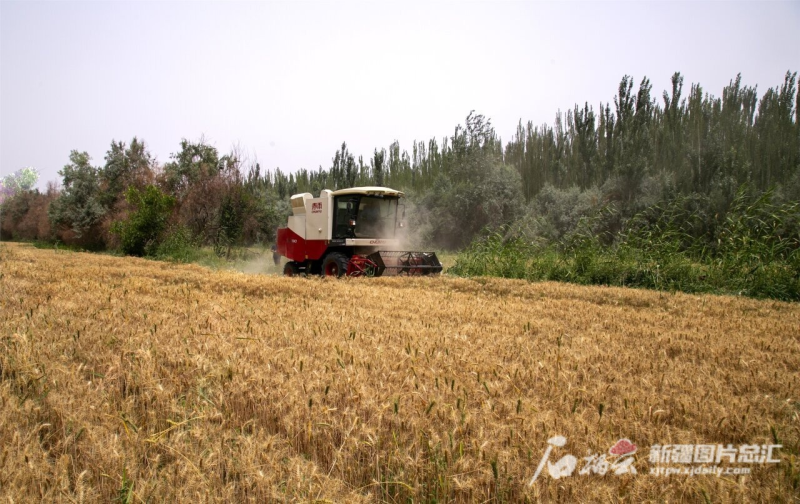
[
  {"x": 291, "y": 269},
  {"x": 335, "y": 264}
]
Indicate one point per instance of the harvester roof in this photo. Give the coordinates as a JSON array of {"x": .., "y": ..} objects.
[{"x": 369, "y": 191}]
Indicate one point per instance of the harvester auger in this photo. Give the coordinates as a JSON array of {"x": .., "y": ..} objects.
[{"x": 351, "y": 232}]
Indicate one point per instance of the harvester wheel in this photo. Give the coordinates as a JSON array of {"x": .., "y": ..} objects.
[
  {"x": 291, "y": 269},
  {"x": 335, "y": 264}
]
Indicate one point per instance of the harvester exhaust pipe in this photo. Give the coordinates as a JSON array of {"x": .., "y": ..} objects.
[{"x": 395, "y": 262}]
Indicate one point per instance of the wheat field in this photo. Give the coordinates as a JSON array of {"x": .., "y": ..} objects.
[{"x": 144, "y": 381}]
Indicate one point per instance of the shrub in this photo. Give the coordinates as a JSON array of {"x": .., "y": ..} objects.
[
  {"x": 753, "y": 250},
  {"x": 178, "y": 245},
  {"x": 140, "y": 232}
]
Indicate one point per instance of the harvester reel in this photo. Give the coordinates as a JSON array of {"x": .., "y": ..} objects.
[{"x": 395, "y": 262}]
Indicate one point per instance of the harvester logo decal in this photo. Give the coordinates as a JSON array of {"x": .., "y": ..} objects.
[{"x": 316, "y": 207}]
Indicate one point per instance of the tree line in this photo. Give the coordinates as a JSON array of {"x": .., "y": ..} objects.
[{"x": 611, "y": 164}]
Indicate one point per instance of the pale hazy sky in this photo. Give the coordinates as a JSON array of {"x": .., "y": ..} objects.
[{"x": 288, "y": 82}]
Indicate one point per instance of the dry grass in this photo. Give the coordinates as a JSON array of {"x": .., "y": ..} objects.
[{"x": 147, "y": 381}]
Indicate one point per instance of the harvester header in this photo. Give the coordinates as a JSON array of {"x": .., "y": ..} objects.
[{"x": 355, "y": 231}]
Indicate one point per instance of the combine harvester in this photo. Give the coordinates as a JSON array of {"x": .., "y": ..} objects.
[{"x": 351, "y": 232}]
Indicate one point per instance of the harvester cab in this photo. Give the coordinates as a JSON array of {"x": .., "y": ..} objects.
[{"x": 355, "y": 232}]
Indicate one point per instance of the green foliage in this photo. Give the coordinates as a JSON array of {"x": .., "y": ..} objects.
[
  {"x": 79, "y": 206},
  {"x": 21, "y": 180},
  {"x": 697, "y": 140},
  {"x": 193, "y": 163},
  {"x": 344, "y": 171},
  {"x": 230, "y": 220},
  {"x": 140, "y": 232},
  {"x": 265, "y": 212},
  {"x": 178, "y": 245},
  {"x": 754, "y": 251},
  {"x": 125, "y": 166},
  {"x": 56, "y": 245},
  {"x": 15, "y": 206},
  {"x": 377, "y": 164},
  {"x": 495, "y": 255},
  {"x": 479, "y": 192},
  {"x": 125, "y": 493},
  {"x": 689, "y": 192}
]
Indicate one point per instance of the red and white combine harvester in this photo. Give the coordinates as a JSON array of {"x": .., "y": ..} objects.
[{"x": 352, "y": 232}]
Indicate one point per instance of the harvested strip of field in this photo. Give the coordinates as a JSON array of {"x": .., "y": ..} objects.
[{"x": 150, "y": 381}]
